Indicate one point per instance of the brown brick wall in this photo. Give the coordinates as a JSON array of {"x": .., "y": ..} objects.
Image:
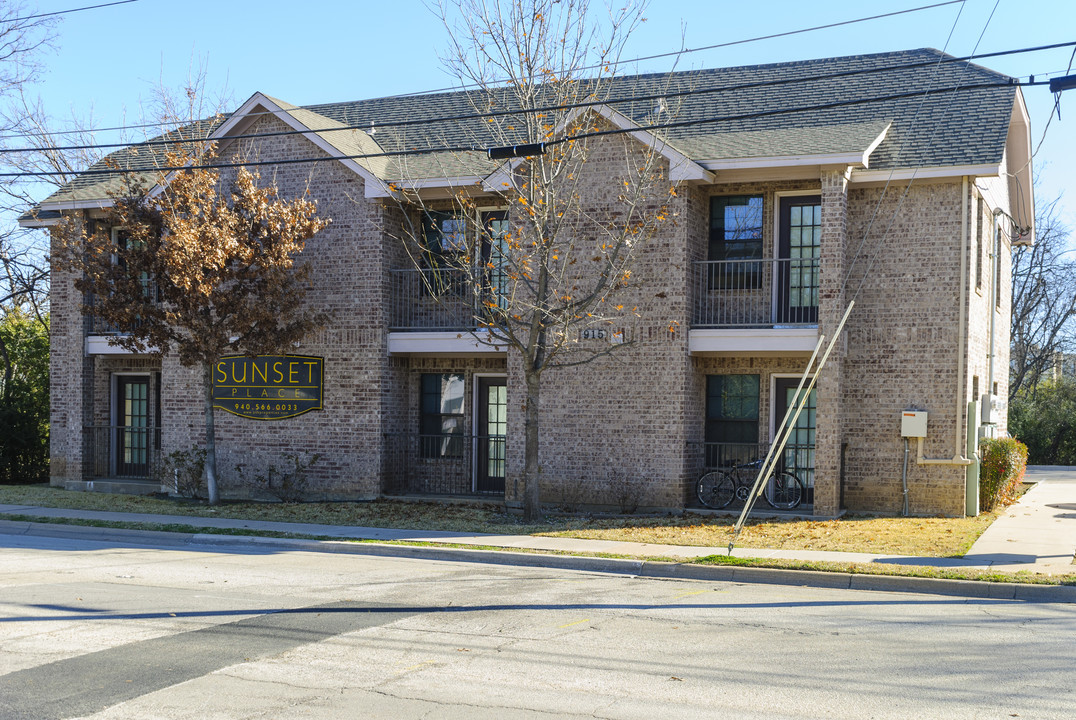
[{"x": 630, "y": 423}]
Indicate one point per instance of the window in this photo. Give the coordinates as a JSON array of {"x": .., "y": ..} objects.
[
  {"x": 441, "y": 421},
  {"x": 731, "y": 418},
  {"x": 980, "y": 223},
  {"x": 735, "y": 237},
  {"x": 122, "y": 242},
  {"x": 997, "y": 267},
  {"x": 445, "y": 233}
]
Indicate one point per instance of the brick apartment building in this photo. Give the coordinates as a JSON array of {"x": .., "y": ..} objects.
[{"x": 900, "y": 179}]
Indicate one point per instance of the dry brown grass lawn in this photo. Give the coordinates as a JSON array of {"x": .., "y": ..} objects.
[{"x": 931, "y": 537}]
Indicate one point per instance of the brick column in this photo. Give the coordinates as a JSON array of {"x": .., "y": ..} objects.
[
  {"x": 70, "y": 380},
  {"x": 829, "y": 434}
]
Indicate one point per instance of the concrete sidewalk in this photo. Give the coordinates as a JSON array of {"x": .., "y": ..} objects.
[{"x": 1037, "y": 534}]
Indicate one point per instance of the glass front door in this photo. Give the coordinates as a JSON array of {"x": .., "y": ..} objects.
[
  {"x": 132, "y": 435},
  {"x": 799, "y": 245},
  {"x": 799, "y": 453},
  {"x": 491, "y": 428}
]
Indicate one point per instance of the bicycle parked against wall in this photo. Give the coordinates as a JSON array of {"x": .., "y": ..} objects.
[{"x": 718, "y": 488}]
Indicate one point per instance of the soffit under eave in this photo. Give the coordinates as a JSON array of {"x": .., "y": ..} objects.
[{"x": 1019, "y": 158}]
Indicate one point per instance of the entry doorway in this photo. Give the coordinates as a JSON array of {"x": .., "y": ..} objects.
[
  {"x": 491, "y": 427},
  {"x": 798, "y": 250},
  {"x": 798, "y": 456},
  {"x": 131, "y": 437}
]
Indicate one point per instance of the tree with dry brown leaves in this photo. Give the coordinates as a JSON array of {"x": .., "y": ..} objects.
[
  {"x": 553, "y": 270},
  {"x": 201, "y": 266}
]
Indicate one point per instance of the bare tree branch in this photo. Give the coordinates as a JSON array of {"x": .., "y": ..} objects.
[{"x": 1043, "y": 303}]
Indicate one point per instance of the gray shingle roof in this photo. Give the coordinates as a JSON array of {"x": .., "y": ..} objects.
[{"x": 938, "y": 122}]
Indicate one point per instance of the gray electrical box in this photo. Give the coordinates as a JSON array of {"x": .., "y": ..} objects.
[
  {"x": 994, "y": 407},
  {"x": 913, "y": 423}
]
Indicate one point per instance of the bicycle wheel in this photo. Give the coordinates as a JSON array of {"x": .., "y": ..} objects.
[
  {"x": 784, "y": 491},
  {"x": 715, "y": 489}
]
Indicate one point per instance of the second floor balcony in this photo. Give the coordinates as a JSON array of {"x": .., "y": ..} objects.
[
  {"x": 737, "y": 306},
  {"x": 754, "y": 307},
  {"x": 770, "y": 293}
]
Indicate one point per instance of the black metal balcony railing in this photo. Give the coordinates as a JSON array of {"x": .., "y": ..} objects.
[
  {"x": 99, "y": 327},
  {"x": 121, "y": 451},
  {"x": 755, "y": 293},
  {"x": 453, "y": 464},
  {"x": 430, "y": 300}
]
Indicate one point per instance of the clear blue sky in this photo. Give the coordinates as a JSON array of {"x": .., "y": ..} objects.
[{"x": 107, "y": 60}]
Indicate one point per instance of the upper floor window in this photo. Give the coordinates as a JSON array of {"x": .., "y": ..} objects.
[
  {"x": 735, "y": 237},
  {"x": 444, "y": 233},
  {"x": 980, "y": 222},
  {"x": 736, "y": 227}
]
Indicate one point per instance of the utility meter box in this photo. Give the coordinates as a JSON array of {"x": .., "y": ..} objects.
[
  {"x": 994, "y": 408},
  {"x": 913, "y": 423}
]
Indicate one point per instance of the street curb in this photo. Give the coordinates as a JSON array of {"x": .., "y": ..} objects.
[{"x": 971, "y": 589}]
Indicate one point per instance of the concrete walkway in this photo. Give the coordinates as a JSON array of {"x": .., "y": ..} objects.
[{"x": 1037, "y": 534}]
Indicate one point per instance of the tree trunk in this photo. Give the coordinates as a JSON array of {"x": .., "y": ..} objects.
[
  {"x": 210, "y": 437},
  {"x": 532, "y": 508}
]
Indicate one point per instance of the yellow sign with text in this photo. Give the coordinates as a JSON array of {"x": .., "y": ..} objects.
[{"x": 268, "y": 387}]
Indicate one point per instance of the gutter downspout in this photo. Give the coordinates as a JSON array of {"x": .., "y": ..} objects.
[{"x": 958, "y": 448}]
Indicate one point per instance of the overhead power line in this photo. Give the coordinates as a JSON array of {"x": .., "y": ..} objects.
[
  {"x": 591, "y": 67},
  {"x": 66, "y": 12},
  {"x": 475, "y": 148},
  {"x": 568, "y": 106},
  {"x": 676, "y": 53}
]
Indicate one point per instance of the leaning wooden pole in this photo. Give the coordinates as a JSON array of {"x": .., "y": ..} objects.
[{"x": 789, "y": 424}]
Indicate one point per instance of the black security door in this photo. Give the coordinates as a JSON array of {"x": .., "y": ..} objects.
[
  {"x": 492, "y": 425},
  {"x": 799, "y": 244},
  {"x": 132, "y": 435},
  {"x": 799, "y": 453}
]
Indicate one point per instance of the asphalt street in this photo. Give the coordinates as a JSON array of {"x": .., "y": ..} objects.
[{"x": 110, "y": 630}]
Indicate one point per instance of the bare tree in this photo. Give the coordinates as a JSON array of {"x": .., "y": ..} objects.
[
  {"x": 1043, "y": 303},
  {"x": 555, "y": 268},
  {"x": 205, "y": 268},
  {"x": 22, "y": 273}
]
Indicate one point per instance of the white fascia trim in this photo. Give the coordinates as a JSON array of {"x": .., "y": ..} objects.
[
  {"x": 853, "y": 158},
  {"x": 78, "y": 205},
  {"x": 742, "y": 341},
  {"x": 62, "y": 206},
  {"x": 102, "y": 345},
  {"x": 39, "y": 223},
  {"x": 681, "y": 167},
  {"x": 381, "y": 190},
  {"x": 440, "y": 343},
  {"x": 929, "y": 173},
  {"x": 259, "y": 100}
]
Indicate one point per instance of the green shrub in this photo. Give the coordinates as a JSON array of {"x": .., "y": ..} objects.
[
  {"x": 1001, "y": 469},
  {"x": 184, "y": 472}
]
